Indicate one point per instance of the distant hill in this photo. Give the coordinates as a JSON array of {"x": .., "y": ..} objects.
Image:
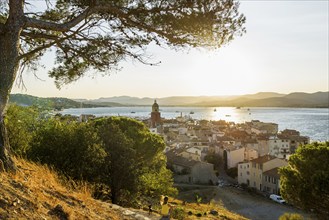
[
  {"x": 49, "y": 103},
  {"x": 262, "y": 99}
]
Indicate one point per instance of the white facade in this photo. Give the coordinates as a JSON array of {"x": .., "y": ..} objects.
[
  {"x": 279, "y": 148},
  {"x": 244, "y": 173}
]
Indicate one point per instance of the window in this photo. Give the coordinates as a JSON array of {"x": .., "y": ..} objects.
[
  {"x": 265, "y": 178},
  {"x": 261, "y": 166},
  {"x": 241, "y": 166},
  {"x": 248, "y": 165},
  {"x": 248, "y": 173}
]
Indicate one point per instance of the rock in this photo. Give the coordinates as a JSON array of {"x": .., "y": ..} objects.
[
  {"x": 59, "y": 212},
  {"x": 3, "y": 202},
  {"x": 213, "y": 212}
]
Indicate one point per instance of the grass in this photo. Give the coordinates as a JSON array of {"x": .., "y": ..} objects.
[
  {"x": 191, "y": 211},
  {"x": 37, "y": 192}
]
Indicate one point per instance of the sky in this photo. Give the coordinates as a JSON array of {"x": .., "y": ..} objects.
[{"x": 284, "y": 50}]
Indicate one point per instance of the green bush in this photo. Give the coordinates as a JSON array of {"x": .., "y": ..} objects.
[
  {"x": 178, "y": 213},
  {"x": 291, "y": 216}
]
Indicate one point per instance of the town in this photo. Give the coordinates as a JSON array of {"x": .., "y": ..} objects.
[{"x": 250, "y": 152}]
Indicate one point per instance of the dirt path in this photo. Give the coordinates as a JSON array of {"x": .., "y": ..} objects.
[{"x": 253, "y": 206}]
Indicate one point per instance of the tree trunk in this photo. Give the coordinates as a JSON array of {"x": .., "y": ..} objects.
[{"x": 9, "y": 65}]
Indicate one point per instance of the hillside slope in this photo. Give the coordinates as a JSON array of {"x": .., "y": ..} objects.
[{"x": 35, "y": 192}]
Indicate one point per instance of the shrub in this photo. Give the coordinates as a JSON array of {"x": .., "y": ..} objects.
[
  {"x": 178, "y": 213},
  {"x": 291, "y": 216}
]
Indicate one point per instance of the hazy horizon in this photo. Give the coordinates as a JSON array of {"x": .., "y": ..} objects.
[
  {"x": 155, "y": 97},
  {"x": 285, "y": 50}
]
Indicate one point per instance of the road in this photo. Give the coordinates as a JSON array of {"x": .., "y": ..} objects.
[
  {"x": 253, "y": 206},
  {"x": 247, "y": 204}
]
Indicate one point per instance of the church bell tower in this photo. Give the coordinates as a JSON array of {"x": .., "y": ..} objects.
[{"x": 155, "y": 115}]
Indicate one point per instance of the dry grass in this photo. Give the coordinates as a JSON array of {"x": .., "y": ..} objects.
[
  {"x": 204, "y": 210},
  {"x": 34, "y": 191},
  {"x": 37, "y": 192}
]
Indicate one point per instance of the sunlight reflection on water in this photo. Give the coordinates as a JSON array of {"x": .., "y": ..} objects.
[{"x": 312, "y": 122}]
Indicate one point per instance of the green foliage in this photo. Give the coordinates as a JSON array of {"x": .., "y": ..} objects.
[
  {"x": 21, "y": 123},
  {"x": 71, "y": 147},
  {"x": 119, "y": 155},
  {"x": 304, "y": 182},
  {"x": 178, "y": 213},
  {"x": 47, "y": 103},
  {"x": 291, "y": 216},
  {"x": 198, "y": 199},
  {"x": 138, "y": 165},
  {"x": 77, "y": 27},
  {"x": 213, "y": 158}
]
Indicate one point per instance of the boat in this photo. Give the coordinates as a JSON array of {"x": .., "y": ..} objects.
[
  {"x": 227, "y": 115},
  {"x": 238, "y": 107},
  {"x": 132, "y": 112},
  {"x": 191, "y": 112},
  {"x": 215, "y": 110}
]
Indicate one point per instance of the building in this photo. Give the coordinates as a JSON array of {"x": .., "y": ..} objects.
[
  {"x": 251, "y": 173},
  {"x": 295, "y": 140},
  {"x": 155, "y": 115},
  {"x": 190, "y": 171},
  {"x": 232, "y": 156},
  {"x": 259, "y": 127},
  {"x": 279, "y": 146},
  {"x": 271, "y": 181}
]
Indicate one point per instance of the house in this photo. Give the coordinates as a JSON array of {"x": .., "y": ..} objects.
[
  {"x": 271, "y": 181},
  {"x": 259, "y": 127},
  {"x": 295, "y": 140},
  {"x": 250, "y": 154},
  {"x": 279, "y": 146},
  {"x": 192, "y": 153},
  {"x": 190, "y": 171},
  {"x": 251, "y": 173},
  {"x": 232, "y": 156},
  {"x": 263, "y": 144}
]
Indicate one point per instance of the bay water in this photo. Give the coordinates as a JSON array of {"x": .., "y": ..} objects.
[{"x": 311, "y": 122}]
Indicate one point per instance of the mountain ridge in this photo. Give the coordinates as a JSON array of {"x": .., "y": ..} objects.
[{"x": 261, "y": 99}]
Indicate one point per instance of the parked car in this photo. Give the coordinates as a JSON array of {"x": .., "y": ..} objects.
[{"x": 277, "y": 198}]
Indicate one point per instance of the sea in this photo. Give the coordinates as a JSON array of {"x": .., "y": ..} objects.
[{"x": 311, "y": 122}]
